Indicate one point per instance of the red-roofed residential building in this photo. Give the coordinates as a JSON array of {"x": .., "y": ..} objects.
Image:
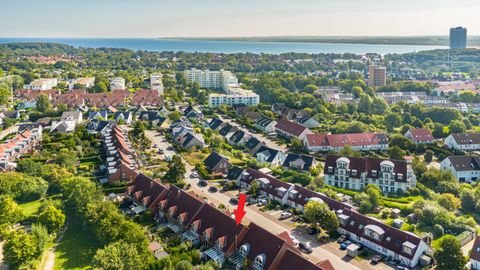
[
  {"x": 121, "y": 158},
  {"x": 355, "y": 173},
  {"x": 336, "y": 142},
  {"x": 20, "y": 144},
  {"x": 420, "y": 135},
  {"x": 291, "y": 129},
  {"x": 475, "y": 254}
]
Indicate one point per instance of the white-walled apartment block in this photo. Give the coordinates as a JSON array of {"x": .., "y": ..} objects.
[
  {"x": 85, "y": 82},
  {"x": 156, "y": 83},
  {"x": 222, "y": 79},
  {"x": 219, "y": 79},
  {"x": 117, "y": 83},
  {"x": 42, "y": 84}
]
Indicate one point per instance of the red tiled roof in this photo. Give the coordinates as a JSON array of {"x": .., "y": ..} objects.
[
  {"x": 475, "y": 255},
  {"x": 340, "y": 140},
  {"x": 421, "y": 134},
  {"x": 290, "y": 127}
]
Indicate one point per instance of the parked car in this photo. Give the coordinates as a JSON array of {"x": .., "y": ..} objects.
[
  {"x": 312, "y": 231},
  {"x": 194, "y": 175},
  {"x": 376, "y": 259},
  {"x": 305, "y": 247},
  {"x": 234, "y": 201},
  {"x": 203, "y": 183},
  {"x": 155, "y": 145},
  {"x": 402, "y": 267},
  {"x": 251, "y": 201},
  {"x": 285, "y": 215},
  {"x": 342, "y": 238},
  {"x": 212, "y": 189},
  {"x": 262, "y": 202},
  {"x": 345, "y": 244}
]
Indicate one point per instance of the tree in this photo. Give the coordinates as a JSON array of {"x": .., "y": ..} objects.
[
  {"x": 457, "y": 126},
  {"x": 174, "y": 116},
  {"x": 254, "y": 188},
  {"x": 449, "y": 256},
  {"x": 449, "y": 201},
  {"x": 43, "y": 103},
  {"x": 319, "y": 213},
  {"x": 428, "y": 156},
  {"x": 392, "y": 120},
  {"x": 10, "y": 212},
  {"x": 66, "y": 158},
  {"x": 41, "y": 236},
  {"x": 396, "y": 152},
  {"x": 119, "y": 255},
  {"x": 52, "y": 217},
  {"x": 176, "y": 170},
  {"x": 365, "y": 103},
  {"x": 29, "y": 166},
  {"x": 310, "y": 88},
  {"x": 183, "y": 265},
  {"x": 4, "y": 93},
  {"x": 438, "y": 131},
  {"x": 297, "y": 144},
  {"x": 19, "y": 248},
  {"x": 374, "y": 194}
]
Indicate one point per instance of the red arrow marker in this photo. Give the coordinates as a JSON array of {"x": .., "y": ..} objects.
[{"x": 240, "y": 212}]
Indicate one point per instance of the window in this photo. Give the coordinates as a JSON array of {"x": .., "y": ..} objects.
[{"x": 244, "y": 250}]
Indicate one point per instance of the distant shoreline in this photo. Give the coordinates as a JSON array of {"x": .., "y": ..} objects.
[{"x": 369, "y": 40}]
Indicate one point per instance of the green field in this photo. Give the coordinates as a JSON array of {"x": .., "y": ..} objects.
[
  {"x": 30, "y": 208},
  {"x": 77, "y": 248}
]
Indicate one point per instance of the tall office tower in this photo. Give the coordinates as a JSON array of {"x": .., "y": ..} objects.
[
  {"x": 377, "y": 76},
  {"x": 458, "y": 38}
]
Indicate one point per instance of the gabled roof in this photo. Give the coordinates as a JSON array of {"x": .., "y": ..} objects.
[
  {"x": 234, "y": 173},
  {"x": 212, "y": 160},
  {"x": 475, "y": 254},
  {"x": 289, "y": 127},
  {"x": 269, "y": 153},
  {"x": 352, "y": 139},
  {"x": 307, "y": 161},
  {"x": 252, "y": 143},
  {"x": 264, "y": 122},
  {"x": 465, "y": 163},
  {"x": 125, "y": 115},
  {"x": 392, "y": 238},
  {"x": 421, "y": 134},
  {"x": 147, "y": 191},
  {"x": 367, "y": 164},
  {"x": 102, "y": 114},
  {"x": 237, "y": 136},
  {"x": 466, "y": 138},
  {"x": 226, "y": 129},
  {"x": 215, "y": 123},
  {"x": 148, "y": 115}
]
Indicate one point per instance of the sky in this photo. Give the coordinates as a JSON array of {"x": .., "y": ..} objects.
[{"x": 235, "y": 18}]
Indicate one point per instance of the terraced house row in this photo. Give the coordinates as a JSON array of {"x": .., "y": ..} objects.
[
  {"x": 21, "y": 143},
  {"x": 120, "y": 161},
  {"x": 216, "y": 232}
]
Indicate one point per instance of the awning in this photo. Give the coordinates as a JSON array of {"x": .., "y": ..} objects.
[{"x": 215, "y": 254}]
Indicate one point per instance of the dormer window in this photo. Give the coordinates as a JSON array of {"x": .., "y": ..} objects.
[{"x": 243, "y": 250}]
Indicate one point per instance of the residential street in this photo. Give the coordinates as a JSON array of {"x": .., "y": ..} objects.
[
  {"x": 259, "y": 136},
  {"x": 266, "y": 220}
]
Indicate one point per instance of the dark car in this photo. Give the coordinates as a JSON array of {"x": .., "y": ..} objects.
[
  {"x": 312, "y": 231},
  {"x": 345, "y": 244},
  {"x": 376, "y": 259},
  {"x": 234, "y": 201},
  {"x": 342, "y": 238},
  {"x": 304, "y": 247},
  {"x": 212, "y": 189},
  {"x": 203, "y": 183}
]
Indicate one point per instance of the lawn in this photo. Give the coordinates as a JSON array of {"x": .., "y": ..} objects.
[
  {"x": 194, "y": 157},
  {"x": 77, "y": 248},
  {"x": 30, "y": 208}
]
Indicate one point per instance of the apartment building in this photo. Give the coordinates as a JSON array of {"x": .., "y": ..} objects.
[
  {"x": 120, "y": 161},
  {"x": 321, "y": 142},
  {"x": 156, "y": 83},
  {"x": 458, "y": 38},
  {"x": 356, "y": 173},
  {"x": 83, "y": 82},
  {"x": 42, "y": 84},
  {"x": 245, "y": 97},
  {"x": 20, "y": 144},
  {"x": 377, "y": 76},
  {"x": 220, "y": 79},
  {"x": 117, "y": 83}
]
